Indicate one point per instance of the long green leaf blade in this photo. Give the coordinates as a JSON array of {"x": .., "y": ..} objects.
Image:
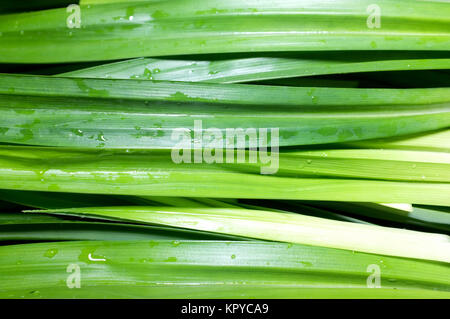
[
  {"x": 122, "y": 30},
  {"x": 187, "y": 269},
  {"x": 144, "y": 114},
  {"x": 287, "y": 227},
  {"x": 152, "y": 173},
  {"x": 15, "y": 230},
  {"x": 254, "y": 69}
]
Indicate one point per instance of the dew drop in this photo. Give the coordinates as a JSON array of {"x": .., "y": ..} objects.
[
  {"x": 50, "y": 253},
  {"x": 176, "y": 243},
  {"x": 78, "y": 132},
  {"x": 392, "y": 279}
]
